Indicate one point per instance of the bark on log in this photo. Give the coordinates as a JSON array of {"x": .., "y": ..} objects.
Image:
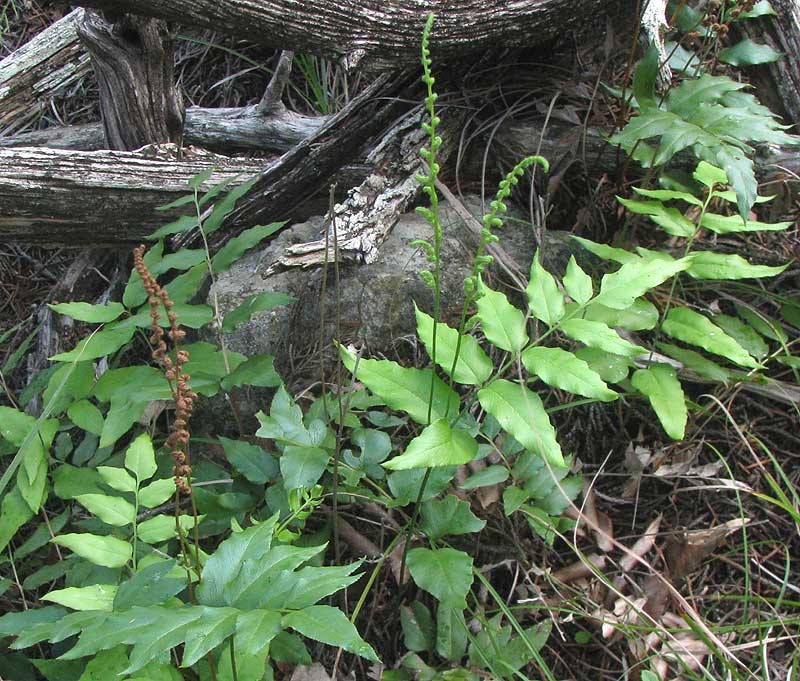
[
  {"x": 42, "y": 68},
  {"x": 52, "y": 196},
  {"x": 134, "y": 62},
  {"x": 220, "y": 130},
  {"x": 76, "y": 199},
  {"x": 62, "y": 197},
  {"x": 778, "y": 83},
  {"x": 382, "y": 33},
  {"x": 308, "y": 167},
  {"x": 363, "y": 220}
]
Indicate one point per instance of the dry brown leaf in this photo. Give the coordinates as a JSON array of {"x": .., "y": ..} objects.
[
  {"x": 316, "y": 672},
  {"x": 487, "y": 496},
  {"x": 636, "y": 460},
  {"x": 686, "y": 552},
  {"x": 709, "y": 470},
  {"x": 579, "y": 569},
  {"x": 642, "y": 546},
  {"x": 395, "y": 558},
  {"x": 599, "y": 522}
]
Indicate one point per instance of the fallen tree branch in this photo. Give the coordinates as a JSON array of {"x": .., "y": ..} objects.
[
  {"x": 221, "y": 130},
  {"x": 307, "y": 168}
]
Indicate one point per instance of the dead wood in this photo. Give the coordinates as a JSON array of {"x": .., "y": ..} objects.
[
  {"x": 58, "y": 197},
  {"x": 77, "y": 198},
  {"x": 383, "y": 33},
  {"x": 778, "y": 83},
  {"x": 42, "y": 68},
  {"x": 133, "y": 58},
  {"x": 223, "y": 130},
  {"x": 308, "y": 167}
]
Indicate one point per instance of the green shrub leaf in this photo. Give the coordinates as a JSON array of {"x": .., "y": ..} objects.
[
  {"x": 670, "y": 219},
  {"x": 93, "y": 597},
  {"x": 329, "y": 625},
  {"x": 106, "y": 551},
  {"x": 256, "y": 371},
  {"x": 223, "y": 566},
  {"x": 710, "y": 265},
  {"x": 85, "y": 312},
  {"x": 450, "y": 515},
  {"x": 747, "y": 52},
  {"x": 743, "y": 334},
  {"x": 610, "y": 367},
  {"x": 671, "y": 195},
  {"x": 253, "y": 462},
  {"x": 644, "y": 79},
  {"x": 598, "y": 335},
  {"x": 694, "y": 361},
  {"x": 437, "y": 445},
  {"x": 111, "y": 510},
  {"x": 577, "y": 283},
  {"x": 607, "y": 252},
  {"x": 444, "y": 573},
  {"x": 405, "y": 389},
  {"x": 165, "y": 631},
  {"x": 140, "y": 459},
  {"x": 472, "y": 367},
  {"x": 97, "y": 345},
  {"x": 451, "y": 633},
  {"x": 661, "y": 386},
  {"x": 258, "y": 302},
  {"x": 162, "y": 527},
  {"x": 86, "y": 416},
  {"x": 302, "y": 467},
  {"x": 728, "y": 224},
  {"x": 640, "y": 316},
  {"x": 544, "y": 299},
  {"x": 255, "y": 629},
  {"x": 502, "y": 323},
  {"x": 236, "y": 247},
  {"x": 156, "y": 493},
  {"x": 491, "y": 475},
  {"x": 417, "y": 624},
  {"x": 562, "y": 369},
  {"x": 207, "y": 632},
  {"x": 152, "y": 585},
  {"x": 691, "y": 327},
  {"x": 520, "y": 412},
  {"x": 14, "y": 513},
  {"x": 621, "y": 288}
]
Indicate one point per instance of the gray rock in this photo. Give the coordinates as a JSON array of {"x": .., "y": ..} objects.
[{"x": 376, "y": 301}]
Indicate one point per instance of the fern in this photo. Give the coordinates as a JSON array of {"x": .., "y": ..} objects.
[
  {"x": 250, "y": 590},
  {"x": 710, "y": 116}
]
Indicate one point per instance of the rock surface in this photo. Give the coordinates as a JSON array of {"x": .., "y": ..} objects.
[{"x": 376, "y": 301}]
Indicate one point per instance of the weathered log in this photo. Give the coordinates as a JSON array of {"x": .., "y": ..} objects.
[
  {"x": 363, "y": 220},
  {"x": 134, "y": 61},
  {"x": 220, "y": 130},
  {"x": 72, "y": 198},
  {"x": 58, "y": 197},
  {"x": 83, "y": 137},
  {"x": 308, "y": 167},
  {"x": 383, "y": 33},
  {"x": 42, "y": 68},
  {"x": 778, "y": 83}
]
